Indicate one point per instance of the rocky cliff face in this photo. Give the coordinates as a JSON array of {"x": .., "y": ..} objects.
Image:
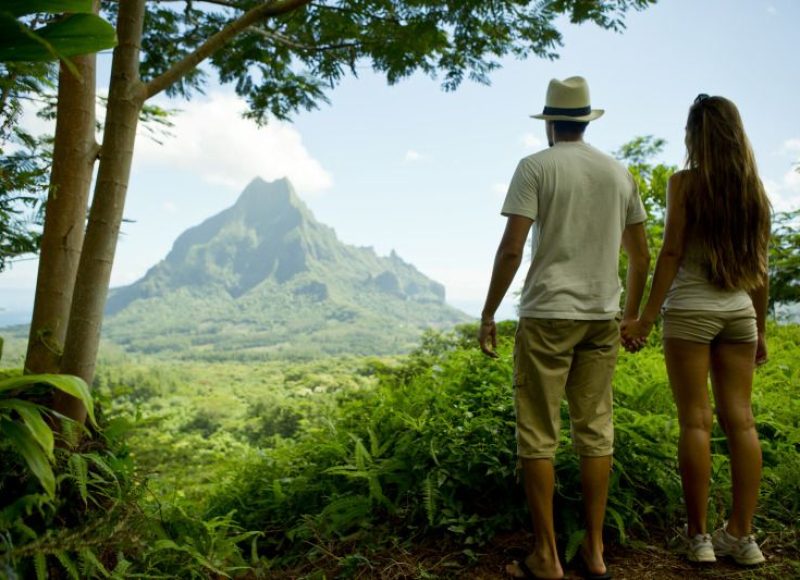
[{"x": 266, "y": 262}]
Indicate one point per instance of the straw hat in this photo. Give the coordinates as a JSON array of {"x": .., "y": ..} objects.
[{"x": 568, "y": 100}]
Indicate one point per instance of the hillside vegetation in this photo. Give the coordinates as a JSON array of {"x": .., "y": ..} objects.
[
  {"x": 295, "y": 468},
  {"x": 265, "y": 280}
]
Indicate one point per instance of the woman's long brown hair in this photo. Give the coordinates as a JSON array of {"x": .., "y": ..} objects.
[{"x": 728, "y": 212}]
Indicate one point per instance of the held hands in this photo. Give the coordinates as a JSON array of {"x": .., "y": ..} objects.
[
  {"x": 487, "y": 335},
  {"x": 634, "y": 333}
]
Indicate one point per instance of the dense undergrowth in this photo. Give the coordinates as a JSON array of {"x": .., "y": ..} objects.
[{"x": 325, "y": 464}]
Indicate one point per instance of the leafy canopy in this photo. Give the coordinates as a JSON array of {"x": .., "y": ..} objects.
[
  {"x": 78, "y": 32},
  {"x": 289, "y": 62}
]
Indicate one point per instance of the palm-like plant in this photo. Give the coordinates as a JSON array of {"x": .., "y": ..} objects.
[{"x": 23, "y": 427}]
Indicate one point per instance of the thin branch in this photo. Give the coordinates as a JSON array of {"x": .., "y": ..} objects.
[
  {"x": 291, "y": 43},
  {"x": 226, "y": 3},
  {"x": 189, "y": 62}
]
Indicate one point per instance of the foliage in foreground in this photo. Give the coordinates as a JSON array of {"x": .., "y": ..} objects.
[
  {"x": 430, "y": 452},
  {"x": 344, "y": 460},
  {"x": 95, "y": 522}
]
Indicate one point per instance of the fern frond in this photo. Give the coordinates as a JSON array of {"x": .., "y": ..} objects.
[
  {"x": 90, "y": 563},
  {"x": 573, "y": 543},
  {"x": 68, "y": 564},
  {"x": 40, "y": 566},
  {"x": 374, "y": 446},
  {"x": 79, "y": 470},
  {"x": 429, "y": 492},
  {"x": 277, "y": 491},
  {"x": 362, "y": 456},
  {"x": 120, "y": 571}
]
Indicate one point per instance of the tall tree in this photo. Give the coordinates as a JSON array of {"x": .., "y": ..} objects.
[
  {"x": 33, "y": 32},
  {"x": 74, "y": 154},
  {"x": 282, "y": 56}
]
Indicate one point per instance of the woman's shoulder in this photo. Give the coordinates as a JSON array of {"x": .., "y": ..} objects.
[
  {"x": 682, "y": 175},
  {"x": 679, "y": 181}
]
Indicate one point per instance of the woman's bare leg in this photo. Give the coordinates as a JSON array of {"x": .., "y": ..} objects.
[
  {"x": 732, "y": 368},
  {"x": 687, "y": 367}
]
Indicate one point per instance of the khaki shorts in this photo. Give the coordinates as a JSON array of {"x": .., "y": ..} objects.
[
  {"x": 706, "y": 326},
  {"x": 557, "y": 357}
]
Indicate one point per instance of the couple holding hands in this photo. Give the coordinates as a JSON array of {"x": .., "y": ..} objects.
[{"x": 709, "y": 285}]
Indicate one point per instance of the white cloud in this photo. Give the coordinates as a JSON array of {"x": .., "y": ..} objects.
[
  {"x": 784, "y": 194},
  {"x": 531, "y": 141},
  {"x": 169, "y": 206},
  {"x": 500, "y": 188},
  {"x": 211, "y": 138},
  {"x": 412, "y": 156}
]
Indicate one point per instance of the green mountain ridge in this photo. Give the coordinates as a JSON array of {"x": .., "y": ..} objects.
[{"x": 265, "y": 279}]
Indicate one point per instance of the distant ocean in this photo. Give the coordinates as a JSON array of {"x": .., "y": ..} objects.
[
  {"x": 14, "y": 318},
  {"x": 16, "y": 306}
]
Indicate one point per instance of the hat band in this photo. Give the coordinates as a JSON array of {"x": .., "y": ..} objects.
[{"x": 579, "y": 112}]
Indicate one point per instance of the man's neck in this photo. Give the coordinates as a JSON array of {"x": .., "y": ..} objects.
[{"x": 568, "y": 139}]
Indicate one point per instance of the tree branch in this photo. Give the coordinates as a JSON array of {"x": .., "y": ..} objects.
[
  {"x": 190, "y": 61},
  {"x": 226, "y": 3},
  {"x": 291, "y": 43}
]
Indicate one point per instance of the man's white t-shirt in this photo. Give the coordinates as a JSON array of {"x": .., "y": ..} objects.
[{"x": 580, "y": 199}]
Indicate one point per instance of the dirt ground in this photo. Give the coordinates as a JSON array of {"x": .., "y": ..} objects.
[
  {"x": 663, "y": 559},
  {"x": 654, "y": 562}
]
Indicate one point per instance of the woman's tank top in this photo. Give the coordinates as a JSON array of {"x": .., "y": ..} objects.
[{"x": 692, "y": 290}]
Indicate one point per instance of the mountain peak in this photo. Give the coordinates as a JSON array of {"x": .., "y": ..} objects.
[
  {"x": 270, "y": 196},
  {"x": 264, "y": 278}
]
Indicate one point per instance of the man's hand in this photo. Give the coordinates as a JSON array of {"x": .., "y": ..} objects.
[
  {"x": 487, "y": 335},
  {"x": 761, "y": 349},
  {"x": 634, "y": 333}
]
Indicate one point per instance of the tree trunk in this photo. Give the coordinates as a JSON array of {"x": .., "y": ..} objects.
[
  {"x": 127, "y": 95},
  {"x": 74, "y": 154},
  {"x": 125, "y": 100}
]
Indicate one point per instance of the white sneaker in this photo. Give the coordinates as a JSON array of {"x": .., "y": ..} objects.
[
  {"x": 744, "y": 550},
  {"x": 701, "y": 550}
]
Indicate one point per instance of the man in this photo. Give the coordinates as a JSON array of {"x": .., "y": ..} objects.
[{"x": 582, "y": 205}]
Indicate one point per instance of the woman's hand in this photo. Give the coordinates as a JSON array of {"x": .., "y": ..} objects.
[{"x": 634, "y": 333}]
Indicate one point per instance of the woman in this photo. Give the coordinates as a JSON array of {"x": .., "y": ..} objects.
[{"x": 711, "y": 278}]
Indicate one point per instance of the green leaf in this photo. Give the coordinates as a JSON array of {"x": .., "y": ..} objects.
[
  {"x": 31, "y": 415},
  {"x": 74, "y": 35},
  {"x": 68, "y": 564},
  {"x": 92, "y": 562},
  {"x": 69, "y": 384},
  {"x": 80, "y": 472},
  {"x": 573, "y": 543},
  {"x": 617, "y": 517},
  {"x": 23, "y": 442},
  {"x": 23, "y": 7},
  {"x": 40, "y": 565}
]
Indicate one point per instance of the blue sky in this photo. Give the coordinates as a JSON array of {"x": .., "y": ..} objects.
[{"x": 423, "y": 172}]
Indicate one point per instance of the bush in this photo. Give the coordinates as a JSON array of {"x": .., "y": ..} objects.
[{"x": 430, "y": 451}]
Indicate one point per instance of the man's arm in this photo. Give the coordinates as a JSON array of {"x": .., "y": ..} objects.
[
  {"x": 506, "y": 263},
  {"x": 634, "y": 243}
]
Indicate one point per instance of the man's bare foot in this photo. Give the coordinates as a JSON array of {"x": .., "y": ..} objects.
[
  {"x": 536, "y": 568},
  {"x": 593, "y": 561}
]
